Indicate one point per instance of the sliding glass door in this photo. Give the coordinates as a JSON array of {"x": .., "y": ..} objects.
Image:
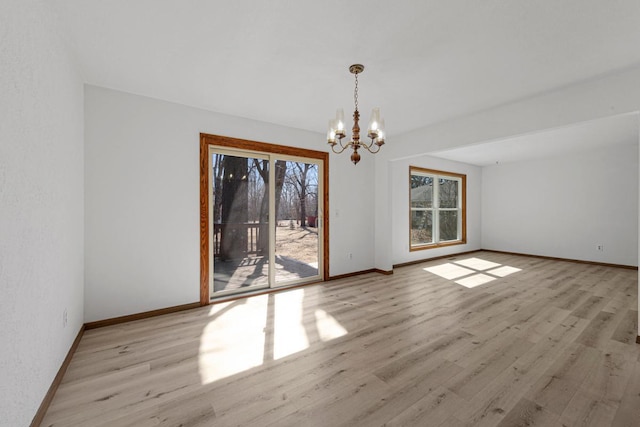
[
  {"x": 264, "y": 220},
  {"x": 297, "y": 242}
]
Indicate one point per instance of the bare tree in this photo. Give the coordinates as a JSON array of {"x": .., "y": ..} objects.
[
  {"x": 262, "y": 168},
  {"x": 299, "y": 178},
  {"x": 234, "y": 207}
]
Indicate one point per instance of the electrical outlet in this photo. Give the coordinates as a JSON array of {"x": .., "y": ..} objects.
[
  {"x": 350, "y": 255},
  {"x": 600, "y": 248},
  {"x": 64, "y": 318}
]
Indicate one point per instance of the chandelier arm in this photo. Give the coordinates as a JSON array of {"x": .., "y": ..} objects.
[
  {"x": 366, "y": 147},
  {"x": 342, "y": 147},
  {"x": 371, "y": 147}
]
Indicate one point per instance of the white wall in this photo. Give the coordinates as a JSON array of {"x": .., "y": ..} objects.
[
  {"x": 142, "y": 200},
  {"x": 400, "y": 207},
  {"x": 41, "y": 206},
  {"x": 565, "y": 206},
  {"x": 351, "y": 213}
]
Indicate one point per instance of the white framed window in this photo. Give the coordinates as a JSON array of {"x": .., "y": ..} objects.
[{"x": 437, "y": 211}]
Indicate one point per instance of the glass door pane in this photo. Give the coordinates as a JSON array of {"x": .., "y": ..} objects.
[
  {"x": 298, "y": 232},
  {"x": 240, "y": 216}
]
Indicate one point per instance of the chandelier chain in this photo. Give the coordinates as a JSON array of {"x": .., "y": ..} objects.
[{"x": 355, "y": 92}]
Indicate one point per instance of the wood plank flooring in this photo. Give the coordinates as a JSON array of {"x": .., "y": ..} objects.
[{"x": 484, "y": 339}]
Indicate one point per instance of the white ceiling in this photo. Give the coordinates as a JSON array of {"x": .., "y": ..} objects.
[
  {"x": 286, "y": 62},
  {"x": 621, "y": 129}
]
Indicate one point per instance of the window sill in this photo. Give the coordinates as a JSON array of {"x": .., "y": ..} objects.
[{"x": 436, "y": 245}]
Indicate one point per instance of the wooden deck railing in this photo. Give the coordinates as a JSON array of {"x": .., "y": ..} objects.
[{"x": 245, "y": 237}]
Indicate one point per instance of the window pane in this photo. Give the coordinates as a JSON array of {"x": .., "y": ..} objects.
[
  {"x": 421, "y": 227},
  {"x": 448, "y": 193},
  {"x": 448, "y": 225},
  {"x": 421, "y": 191}
]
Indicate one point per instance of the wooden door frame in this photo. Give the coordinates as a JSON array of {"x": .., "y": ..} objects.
[{"x": 207, "y": 141}]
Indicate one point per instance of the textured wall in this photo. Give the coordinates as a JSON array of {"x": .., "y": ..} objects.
[{"x": 41, "y": 206}]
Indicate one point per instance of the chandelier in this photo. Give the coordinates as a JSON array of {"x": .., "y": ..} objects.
[{"x": 375, "y": 131}]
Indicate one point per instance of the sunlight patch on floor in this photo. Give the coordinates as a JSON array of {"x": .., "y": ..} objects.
[
  {"x": 477, "y": 264},
  {"x": 449, "y": 271},
  {"x": 289, "y": 333},
  {"x": 504, "y": 271},
  {"x": 234, "y": 340},
  {"x": 328, "y": 327},
  {"x": 245, "y": 333},
  {"x": 472, "y": 272},
  {"x": 475, "y": 280}
]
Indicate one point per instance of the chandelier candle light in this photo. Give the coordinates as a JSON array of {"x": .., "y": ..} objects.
[{"x": 375, "y": 131}]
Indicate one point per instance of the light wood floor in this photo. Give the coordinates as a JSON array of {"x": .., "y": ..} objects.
[{"x": 542, "y": 342}]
